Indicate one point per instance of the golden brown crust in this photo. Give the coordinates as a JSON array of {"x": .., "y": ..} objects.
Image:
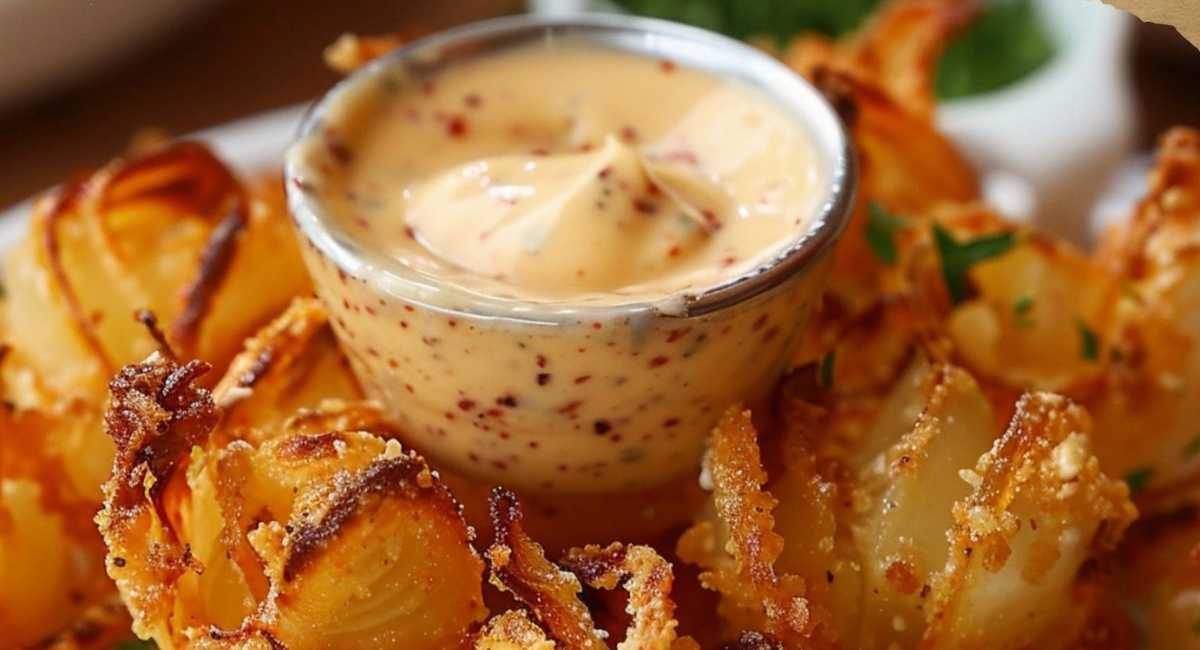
[
  {"x": 519, "y": 566},
  {"x": 753, "y": 595}
]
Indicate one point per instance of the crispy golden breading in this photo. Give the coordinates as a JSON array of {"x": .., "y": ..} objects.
[
  {"x": 738, "y": 551},
  {"x": 1040, "y": 507},
  {"x": 911, "y": 486},
  {"x": 519, "y": 567},
  {"x": 1154, "y": 365},
  {"x": 513, "y": 630},
  {"x": 307, "y": 540}
]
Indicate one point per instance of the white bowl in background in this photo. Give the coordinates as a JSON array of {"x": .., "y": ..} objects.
[
  {"x": 46, "y": 44},
  {"x": 1047, "y": 145},
  {"x": 1063, "y": 130}
]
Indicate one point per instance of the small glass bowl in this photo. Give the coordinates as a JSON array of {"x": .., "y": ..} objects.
[{"x": 561, "y": 397}]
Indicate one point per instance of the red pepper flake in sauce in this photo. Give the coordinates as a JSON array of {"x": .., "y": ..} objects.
[
  {"x": 601, "y": 427},
  {"x": 337, "y": 147},
  {"x": 758, "y": 323},
  {"x": 543, "y": 378},
  {"x": 728, "y": 261},
  {"x": 603, "y": 173},
  {"x": 457, "y": 126},
  {"x": 466, "y": 404},
  {"x": 629, "y": 134},
  {"x": 644, "y": 205},
  {"x": 582, "y": 379},
  {"x": 597, "y": 325},
  {"x": 541, "y": 361},
  {"x": 666, "y": 66},
  {"x": 673, "y": 252},
  {"x": 770, "y": 334},
  {"x": 428, "y": 87},
  {"x": 473, "y": 101},
  {"x": 670, "y": 422},
  {"x": 533, "y": 444},
  {"x": 710, "y": 219},
  {"x": 678, "y": 333},
  {"x": 658, "y": 361},
  {"x": 540, "y": 151},
  {"x": 507, "y": 400}
]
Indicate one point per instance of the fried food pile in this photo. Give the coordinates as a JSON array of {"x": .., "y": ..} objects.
[{"x": 988, "y": 439}]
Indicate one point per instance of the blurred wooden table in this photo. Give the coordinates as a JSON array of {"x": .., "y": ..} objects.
[
  {"x": 241, "y": 57},
  {"x": 251, "y": 55}
]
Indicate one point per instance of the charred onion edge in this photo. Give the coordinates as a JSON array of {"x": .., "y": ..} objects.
[
  {"x": 519, "y": 566},
  {"x": 155, "y": 417},
  {"x": 48, "y": 212},
  {"x": 406, "y": 476},
  {"x": 647, "y": 578},
  {"x": 215, "y": 261}
]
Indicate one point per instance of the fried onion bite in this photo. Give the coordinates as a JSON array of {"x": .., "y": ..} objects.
[
  {"x": 1040, "y": 507},
  {"x": 306, "y": 540},
  {"x": 739, "y": 548},
  {"x": 551, "y": 593},
  {"x": 171, "y": 231},
  {"x": 929, "y": 527},
  {"x": 1147, "y": 409}
]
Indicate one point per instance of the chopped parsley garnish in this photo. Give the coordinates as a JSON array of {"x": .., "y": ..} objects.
[
  {"x": 825, "y": 372},
  {"x": 1023, "y": 310},
  {"x": 958, "y": 257},
  {"x": 1089, "y": 344},
  {"x": 1138, "y": 479},
  {"x": 881, "y": 232},
  {"x": 1191, "y": 448}
]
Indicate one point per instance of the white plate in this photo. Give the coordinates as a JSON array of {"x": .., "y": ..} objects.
[{"x": 248, "y": 145}]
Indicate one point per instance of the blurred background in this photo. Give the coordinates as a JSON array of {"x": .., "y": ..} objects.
[{"x": 79, "y": 79}]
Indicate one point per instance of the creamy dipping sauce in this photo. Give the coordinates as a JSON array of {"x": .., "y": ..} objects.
[
  {"x": 521, "y": 228},
  {"x": 585, "y": 175}
]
